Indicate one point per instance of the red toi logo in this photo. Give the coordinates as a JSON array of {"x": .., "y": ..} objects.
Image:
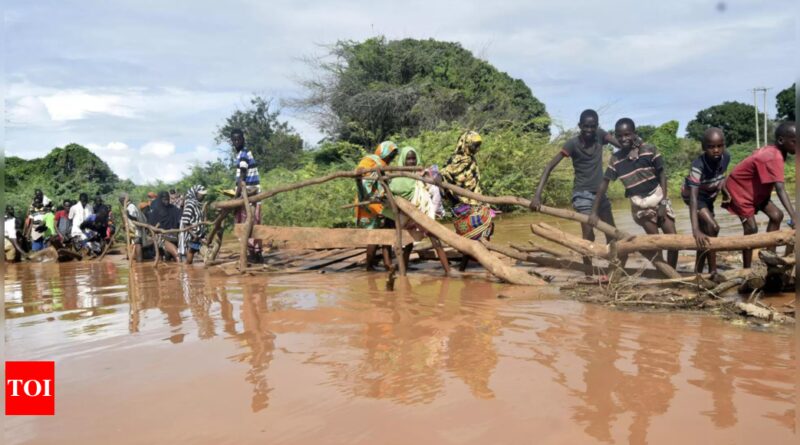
[{"x": 30, "y": 388}]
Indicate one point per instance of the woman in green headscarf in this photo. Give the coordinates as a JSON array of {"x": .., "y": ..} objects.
[{"x": 420, "y": 195}]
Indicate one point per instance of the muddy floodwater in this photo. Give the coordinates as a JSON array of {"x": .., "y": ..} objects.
[{"x": 180, "y": 355}]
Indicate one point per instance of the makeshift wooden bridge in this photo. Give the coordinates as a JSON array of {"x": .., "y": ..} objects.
[{"x": 298, "y": 249}]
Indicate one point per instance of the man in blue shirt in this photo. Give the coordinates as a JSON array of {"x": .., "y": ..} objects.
[{"x": 247, "y": 176}]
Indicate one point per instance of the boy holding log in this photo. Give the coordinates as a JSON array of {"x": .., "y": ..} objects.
[
  {"x": 699, "y": 191},
  {"x": 750, "y": 185},
  {"x": 586, "y": 152},
  {"x": 645, "y": 180}
]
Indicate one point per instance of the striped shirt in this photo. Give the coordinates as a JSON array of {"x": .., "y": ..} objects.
[
  {"x": 639, "y": 176},
  {"x": 705, "y": 176},
  {"x": 245, "y": 159}
]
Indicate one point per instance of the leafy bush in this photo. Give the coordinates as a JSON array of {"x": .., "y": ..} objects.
[{"x": 364, "y": 92}]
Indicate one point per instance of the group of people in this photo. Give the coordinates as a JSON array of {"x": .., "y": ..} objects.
[
  {"x": 167, "y": 211},
  {"x": 473, "y": 219},
  {"x": 170, "y": 210},
  {"x": 87, "y": 228},
  {"x": 641, "y": 170},
  {"x": 80, "y": 225},
  {"x": 636, "y": 164}
]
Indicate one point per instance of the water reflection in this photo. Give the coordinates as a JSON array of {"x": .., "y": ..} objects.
[
  {"x": 259, "y": 341},
  {"x": 616, "y": 375}
]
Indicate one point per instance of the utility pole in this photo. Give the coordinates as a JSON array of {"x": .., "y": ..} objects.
[
  {"x": 755, "y": 106},
  {"x": 763, "y": 90}
]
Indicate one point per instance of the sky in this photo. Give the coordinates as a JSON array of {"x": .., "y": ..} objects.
[{"x": 145, "y": 84}]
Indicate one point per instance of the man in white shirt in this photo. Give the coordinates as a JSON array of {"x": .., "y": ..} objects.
[
  {"x": 77, "y": 214},
  {"x": 10, "y": 236}
]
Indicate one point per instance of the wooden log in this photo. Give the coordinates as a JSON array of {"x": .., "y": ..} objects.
[
  {"x": 508, "y": 251},
  {"x": 398, "y": 242},
  {"x": 165, "y": 231},
  {"x": 521, "y": 202},
  {"x": 323, "y": 238},
  {"x": 358, "y": 204},
  {"x": 331, "y": 259},
  {"x": 722, "y": 243},
  {"x": 548, "y": 250},
  {"x": 578, "y": 244},
  {"x": 105, "y": 250},
  {"x": 590, "y": 248},
  {"x": 764, "y": 313},
  {"x": 468, "y": 247},
  {"x": 771, "y": 258},
  {"x": 124, "y": 213},
  {"x": 578, "y": 266},
  {"x": 234, "y": 203}
]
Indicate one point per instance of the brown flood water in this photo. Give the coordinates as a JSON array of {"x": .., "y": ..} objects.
[{"x": 178, "y": 355}]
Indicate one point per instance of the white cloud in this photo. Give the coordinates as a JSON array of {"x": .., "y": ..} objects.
[
  {"x": 148, "y": 164},
  {"x": 73, "y": 105},
  {"x": 28, "y": 110},
  {"x": 159, "y": 149},
  {"x": 109, "y": 73}
]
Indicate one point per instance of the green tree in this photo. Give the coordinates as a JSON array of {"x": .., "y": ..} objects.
[
  {"x": 785, "y": 101},
  {"x": 63, "y": 173},
  {"x": 365, "y": 92},
  {"x": 645, "y": 131},
  {"x": 273, "y": 143},
  {"x": 734, "y": 118}
]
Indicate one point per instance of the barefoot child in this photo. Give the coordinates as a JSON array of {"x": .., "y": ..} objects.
[
  {"x": 586, "y": 152},
  {"x": 751, "y": 182},
  {"x": 645, "y": 182},
  {"x": 700, "y": 189}
]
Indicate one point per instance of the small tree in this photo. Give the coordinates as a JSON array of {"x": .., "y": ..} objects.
[
  {"x": 734, "y": 118},
  {"x": 273, "y": 143},
  {"x": 785, "y": 101}
]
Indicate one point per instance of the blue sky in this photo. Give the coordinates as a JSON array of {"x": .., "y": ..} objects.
[{"x": 144, "y": 84}]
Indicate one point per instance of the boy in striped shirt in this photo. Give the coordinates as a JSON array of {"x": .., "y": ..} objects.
[
  {"x": 247, "y": 174},
  {"x": 699, "y": 191},
  {"x": 645, "y": 182}
]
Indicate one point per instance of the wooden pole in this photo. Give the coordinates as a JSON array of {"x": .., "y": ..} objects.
[
  {"x": 686, "y": 242},
  {"x": 544, "y": 249},
  {"x": 124, "y": 212},
  {"x": 521, "y": 202},
  {"x": 398, "y": 242},
  {"x": 216, "y": 229},
  {"x": 468, "y": 247},
  {"x": 234, "y": 203},
  {"x": 593, "y": 249},
  {"x": 248, "y": 232},
  {"x": 580, "y": 245}
]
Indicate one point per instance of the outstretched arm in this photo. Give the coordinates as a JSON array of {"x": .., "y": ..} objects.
[
  {"x": 536, "y": 202},
  {"x": 787, "y": 203},
  {"x": 700, "y": 238}
]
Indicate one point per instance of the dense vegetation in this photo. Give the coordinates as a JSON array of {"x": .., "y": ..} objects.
[
  {"x": 366, "y": 92},
  {"x": 785, "y": 102},
  {"x": 735, "y": 118},
  {"x": 420, "y": 93},
  {"x": 62, "y": 174}
]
